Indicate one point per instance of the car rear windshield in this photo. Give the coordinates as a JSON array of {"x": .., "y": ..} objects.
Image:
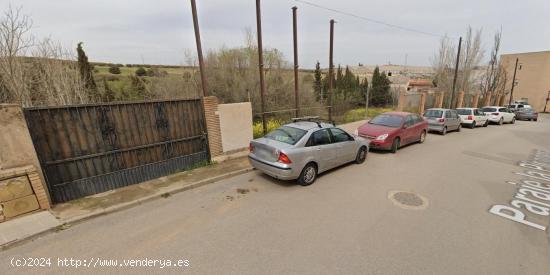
[
  {"x": 393, "y": 121},
  {"x": 288, "y": 135},
  {"x": 489, "y": 110},
  {"x": 464, "y": 112},
  {"x": 526, "y": 110},
  {"x": 433, "y": 113}
]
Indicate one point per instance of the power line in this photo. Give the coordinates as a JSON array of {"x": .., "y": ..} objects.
[{"x": 370, "y": 19}]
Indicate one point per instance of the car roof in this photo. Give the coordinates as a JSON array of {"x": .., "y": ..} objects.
[
  {"x": 403, "y": 114},
  {"x": 438, "y": 109},
  {"x": 466, "y": 108},
  {"x": 308, "y": 125},
  {"x": 494, "y": 107}
]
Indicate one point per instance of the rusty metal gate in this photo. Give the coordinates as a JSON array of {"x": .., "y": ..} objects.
[{"x": 89, "y": 149}]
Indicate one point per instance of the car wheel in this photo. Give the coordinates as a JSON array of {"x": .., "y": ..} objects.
[
  {"x": 486, "y": 123},
  {"x": 535, "y": 119},
  {"x": 395, "y": 145},
  {"x": 361, "y": 155},
  {"x": 422, "y": 137},
  {"x": 513, "y": 120},
  {"x": 444, "y": 131},
  {"x": 473, "y": 125},
  {"x": 308, "y": 175},
  {"x": 501, "y": 121}
]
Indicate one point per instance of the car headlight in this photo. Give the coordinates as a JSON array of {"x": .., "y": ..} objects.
[
  {"x": 356, "y": 132},
  {"x": 382, "y": 137}
]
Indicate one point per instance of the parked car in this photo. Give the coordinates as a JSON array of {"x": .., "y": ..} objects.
[
  {"x": 391, "y": 130},
  {"x": 527, "y": 114},
  {"x": 499, "y": 114},
  {"x": 516, "y": 106},
  {"x": 442, "y": 120},
  {"x": 473, "y": 117},
  {"x": 303, "y": 149}
]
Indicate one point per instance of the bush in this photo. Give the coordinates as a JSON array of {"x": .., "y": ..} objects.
[
  {"x": 272, "y": 124},
  {"x": 114, "y": 70},
  {"x": 141, "y": 71}
]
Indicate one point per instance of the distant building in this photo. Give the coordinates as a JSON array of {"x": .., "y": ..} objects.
[{"x": 532, "y": 77}]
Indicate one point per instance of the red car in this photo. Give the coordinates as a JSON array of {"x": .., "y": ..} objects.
[{"x": 389, "y": 131}]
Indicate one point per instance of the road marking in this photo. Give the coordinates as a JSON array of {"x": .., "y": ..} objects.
[{"x": 532, "y": 194}]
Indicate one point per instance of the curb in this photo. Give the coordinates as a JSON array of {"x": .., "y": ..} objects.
[{"x": 123, "y": 206}]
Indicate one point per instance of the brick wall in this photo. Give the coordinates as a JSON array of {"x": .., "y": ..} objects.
[{"x": 213, "y": 125}]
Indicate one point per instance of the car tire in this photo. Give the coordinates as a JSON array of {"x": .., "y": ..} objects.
[
  {"x": 444, "y": 131},
  {"x": 395, "y": 145},
  {"x": 361, "y": 155},
  {"x": 513, "y": 120},
  {"x": 422, "y": 137},
  {"x": 308, "y": 175},
  {"x": 535, "y": 119},
  {"x": 473, "y": 125},
  {"x": 501, "y": 121},
  {"x": 486, "y": 123}
]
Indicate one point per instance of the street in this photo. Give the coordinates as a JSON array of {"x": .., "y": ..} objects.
[{"x": 344, "y": 223}]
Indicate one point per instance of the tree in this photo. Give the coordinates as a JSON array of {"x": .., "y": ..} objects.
[
  {"x": 141, "y": 71},
  {"x": 86, "y": 72},
  {"x": 380, "y": 91},
  {"x": 494, "y": 78},
  {"x": 113, "y": 69},
  {"x": 317, "y": 82},
  {"x": 470, "y": 57},
  {"x": 108, "y": 94}
]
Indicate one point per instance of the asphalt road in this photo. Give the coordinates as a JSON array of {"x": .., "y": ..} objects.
[{"x": 342, "y": 224}]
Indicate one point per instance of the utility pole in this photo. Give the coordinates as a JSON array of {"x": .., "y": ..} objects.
[
  {"x": 261, "y": 63},
  {"x": 456, "y": 72},
  {"x": 330, "y": 69},
  {"x": 513, "y": 82},
  {"x": 547, "y": 99},
  {"x": 295, "y": 34},
  {"x": 199, "y": 48}
]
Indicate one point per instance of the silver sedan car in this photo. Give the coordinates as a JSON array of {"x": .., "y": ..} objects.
[{"x": 303, "y": 149}]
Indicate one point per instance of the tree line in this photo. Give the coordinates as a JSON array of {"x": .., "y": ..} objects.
[{"x": 350, "y": 88}]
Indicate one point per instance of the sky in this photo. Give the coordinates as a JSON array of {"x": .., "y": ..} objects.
[{"x": 161, "y": 31}]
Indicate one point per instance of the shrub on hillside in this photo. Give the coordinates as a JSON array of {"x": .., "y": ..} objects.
[
  {"x": 114, "y": 70},
  {"x": 141, "y": 71}
]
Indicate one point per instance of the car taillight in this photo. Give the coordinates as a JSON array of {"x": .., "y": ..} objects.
[
  {"x": 470, "y": 117},
  {"x": 495, "y": 114},
  {"x": 250, "y": 148},
  {"x": 283, "y": 158},
  {"x": 441, "y": 120}
]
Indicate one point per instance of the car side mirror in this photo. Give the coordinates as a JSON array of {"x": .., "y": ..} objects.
[{"x": 404, "y": 126}]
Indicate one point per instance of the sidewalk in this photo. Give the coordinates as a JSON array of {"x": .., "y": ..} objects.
[{"x": 30, "y": 226}]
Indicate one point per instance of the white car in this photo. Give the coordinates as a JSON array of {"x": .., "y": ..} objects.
[
  {"x": 472, "y": 117},
  {"x": 499, "y": 114}
]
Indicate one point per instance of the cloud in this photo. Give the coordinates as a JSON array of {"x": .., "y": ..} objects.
[{"x": 129, "y": 31}]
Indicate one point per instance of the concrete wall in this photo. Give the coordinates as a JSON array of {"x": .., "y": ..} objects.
[
  {"x": 19, "y": 166},
  {"x": 533, "y": 79},
  {"x": 235, "y": 125},
  {"x": 16, "y": 144}
]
